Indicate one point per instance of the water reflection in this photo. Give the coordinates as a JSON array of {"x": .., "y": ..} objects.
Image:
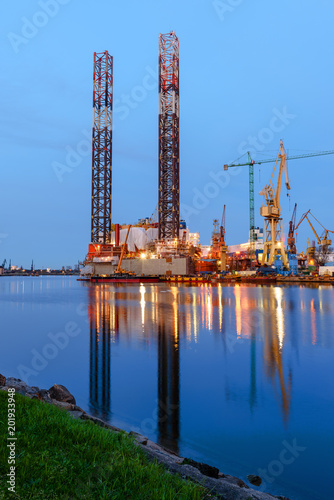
[
  {"x": 168, "y": 376},
  {"x": 165, "y": 320},
  {"x": 101, "y": 332},
  {"x": 106, "y": 316}
]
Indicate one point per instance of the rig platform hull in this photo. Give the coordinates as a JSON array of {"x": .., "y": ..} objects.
[{"x": 123, "y": 278}]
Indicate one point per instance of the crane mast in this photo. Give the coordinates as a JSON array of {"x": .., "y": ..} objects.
[
  {"x": 323, "y": 242},
  {"x": 271, "y": 211},
  {"x": 222, "y": 244},
  {"x": 291, "y": 235}
]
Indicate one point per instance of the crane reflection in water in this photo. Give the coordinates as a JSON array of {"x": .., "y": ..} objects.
[{"x": 169, "y": 319}]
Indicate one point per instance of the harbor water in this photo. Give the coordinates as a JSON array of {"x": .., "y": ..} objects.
[{"x": 237, "y": 376}]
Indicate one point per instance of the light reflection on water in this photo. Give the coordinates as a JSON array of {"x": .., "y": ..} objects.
[
  {"x": 177, "y": 318},
  {"x": 224, "y": 374}
]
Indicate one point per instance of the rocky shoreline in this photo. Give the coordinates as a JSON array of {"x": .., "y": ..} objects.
[{"x": 221, "y": 486}]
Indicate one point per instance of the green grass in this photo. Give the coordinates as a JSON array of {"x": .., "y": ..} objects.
[{"x": 58, "y": 457}]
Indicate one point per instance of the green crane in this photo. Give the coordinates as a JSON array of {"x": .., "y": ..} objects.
[{"x": 250, "y": 164}]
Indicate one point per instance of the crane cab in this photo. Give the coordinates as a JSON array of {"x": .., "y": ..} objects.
[{"x": 269, "y": 210}]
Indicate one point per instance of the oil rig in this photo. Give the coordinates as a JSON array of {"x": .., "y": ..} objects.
[{"x": 161, "y": 245}]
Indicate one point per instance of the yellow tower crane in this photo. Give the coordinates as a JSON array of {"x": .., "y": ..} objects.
[{"x": 271, "y": 211}]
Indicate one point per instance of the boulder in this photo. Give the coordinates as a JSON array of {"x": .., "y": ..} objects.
[
  {"x": 43, "y": 395},
  {"x": 253, "y": 479},
  {"x": 18, "y": 384},
  {"x": 2, "y": 380},
  {"x": 60, "y": 393}
]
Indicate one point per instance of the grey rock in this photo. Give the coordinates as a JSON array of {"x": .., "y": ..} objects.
[
  {"x": 221, "y": 488},
  {"x": 31, "y": 390},
  {"x": 60, "y": 393},
  {"x": 235, "y": 480},
  {"x": 43, "y": 395},
  {"x": 77, "y": 408},
  {"x": 139, "y": 438},
  {"x": 100, "y": 422},
  {"x": 15, "y": 381},
  {"x": 63, "y": 405},
  {"x": 75, "y": 414},
  {"x": 42, "y": 392},
  {"x": 17, "y": 384},
  {"x": 18, "y": 390}
]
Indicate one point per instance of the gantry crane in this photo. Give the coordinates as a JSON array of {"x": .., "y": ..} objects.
[
  {"x": 271, "y": 211},
  {"x": 324, "y": 242},
  {"x": 250, "y": 164},
  {"x": 291, "y": 247}
]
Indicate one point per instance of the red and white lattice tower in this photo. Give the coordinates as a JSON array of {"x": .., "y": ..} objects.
[
  {"x": 169, "y": 192},
  {"x": 102, "y": 148}
]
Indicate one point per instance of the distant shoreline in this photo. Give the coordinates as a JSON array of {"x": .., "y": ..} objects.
[{"x": 36, "y": 274}]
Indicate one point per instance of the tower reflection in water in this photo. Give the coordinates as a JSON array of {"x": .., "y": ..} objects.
[
  {"x": 162, "y": 319},
  {"x": 101, "y": 332},
  {"x": 106, "y": 316},
  {"x": 168, "y": 375}
]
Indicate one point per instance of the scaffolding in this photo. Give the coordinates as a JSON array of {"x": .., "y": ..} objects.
[
  {"x": 102, "y": 148},
  {"x": 169, "y": 192}
]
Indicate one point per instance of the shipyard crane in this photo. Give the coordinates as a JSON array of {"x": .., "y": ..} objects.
[
  {"x": 215, "y": 240},
  {"x": 222, "y": 227},
  {"x": 291, "y": 247},
  {"x": 250, "y": 164},
  {"x": 271, "y": 211},
  {"x": 324, "y": 242},
  {"x": 222, "y": 244}
]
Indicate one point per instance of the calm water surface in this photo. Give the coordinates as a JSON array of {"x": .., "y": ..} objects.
[{"x": 238, "y": 376}]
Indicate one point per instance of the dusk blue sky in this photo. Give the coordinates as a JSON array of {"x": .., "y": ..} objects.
[{"x": 248, "y": 69}]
